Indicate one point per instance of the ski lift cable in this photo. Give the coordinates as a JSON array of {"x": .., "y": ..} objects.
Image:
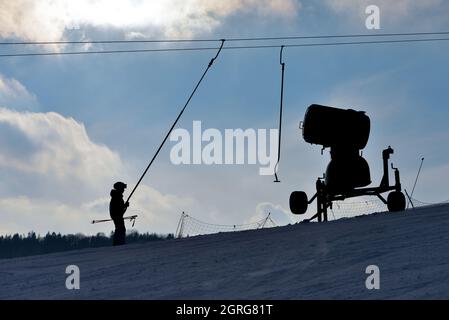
[
  {"x": 332, "y": 36},
  {"x": 289, "y": 45},
  {"x": 282, "y": 63},
  {"x": 177, "y": 119}
]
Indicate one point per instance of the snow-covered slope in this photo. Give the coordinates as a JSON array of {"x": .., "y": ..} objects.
[{"x": 294, "y": 262}]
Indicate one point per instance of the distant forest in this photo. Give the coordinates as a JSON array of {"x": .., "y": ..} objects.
[{"x": 26, "y": 245}]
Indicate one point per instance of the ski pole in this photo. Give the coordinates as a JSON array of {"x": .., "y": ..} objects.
[{"x": 131, "y": 218}]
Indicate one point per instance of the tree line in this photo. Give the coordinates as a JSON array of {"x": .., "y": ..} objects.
[{"x": 19, "y": 245}]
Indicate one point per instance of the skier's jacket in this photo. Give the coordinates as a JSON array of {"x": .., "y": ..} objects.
[{"x": 117, "y": 206}]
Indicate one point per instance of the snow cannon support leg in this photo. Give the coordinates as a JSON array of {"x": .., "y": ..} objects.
[{"x": 322, "y": 202}]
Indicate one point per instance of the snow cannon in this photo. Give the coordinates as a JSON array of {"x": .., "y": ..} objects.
[
  {"x": 345, "y": 132},
  {"x": 333, "y": 127}
]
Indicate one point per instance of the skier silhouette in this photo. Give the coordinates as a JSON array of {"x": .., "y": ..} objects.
[{"x": 117, "y": 208}]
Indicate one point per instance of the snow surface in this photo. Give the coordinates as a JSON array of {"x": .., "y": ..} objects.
[{"x": 302, "y": 261}]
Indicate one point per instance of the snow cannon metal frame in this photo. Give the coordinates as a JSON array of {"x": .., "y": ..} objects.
[{"x": 346, "y": 133}]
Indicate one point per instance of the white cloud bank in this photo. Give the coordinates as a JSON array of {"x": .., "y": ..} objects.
[
  {"x": 48, "y": 167},
  {"x": 49, "y": 20},
  {"x": 59, "y": 147},
  {"x": 70, "y": 178},
  {"x": 53, "y": 177}
]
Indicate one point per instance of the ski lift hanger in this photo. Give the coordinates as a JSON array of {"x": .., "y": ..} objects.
[{"x": 282, "y": 63}]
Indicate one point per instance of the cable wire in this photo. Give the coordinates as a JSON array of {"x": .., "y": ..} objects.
[
  {"x": 225, "y": 48},
  {"x": 228, "y": 40}
]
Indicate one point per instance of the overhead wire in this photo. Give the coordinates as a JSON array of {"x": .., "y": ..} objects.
[
  {"x": 397, "y": 34},
  {"x": 288, "y": 45}
]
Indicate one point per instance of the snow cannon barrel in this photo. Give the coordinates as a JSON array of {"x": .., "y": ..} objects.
[{"x": 333, "y": 127}]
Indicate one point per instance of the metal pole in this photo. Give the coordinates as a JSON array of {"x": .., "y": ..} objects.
[
  {"x": 417, "y": 176},
  {"x": 410, "y": 202},
  {"x": 178, "y": 228},
  {"x": 265, "y": 221}
]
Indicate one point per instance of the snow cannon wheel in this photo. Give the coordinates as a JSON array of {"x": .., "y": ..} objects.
[
  {"x": 298, "y": 202},
  {"x": 396, "y": 201}
]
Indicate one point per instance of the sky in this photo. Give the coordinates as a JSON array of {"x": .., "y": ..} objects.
[{"x": 70, "y": 126}]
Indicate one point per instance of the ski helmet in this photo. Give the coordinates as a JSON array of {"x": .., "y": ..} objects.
[{"x": 120, "y": 186}]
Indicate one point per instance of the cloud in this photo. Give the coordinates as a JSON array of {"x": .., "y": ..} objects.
[
  {"x": 46, "y": 154},
  {"x": 21, "y": 214},
  {"x": 48, "y": 168},
  {"x": 54, "y": 177},
  {"x": 14, "y": 95},
  {"x": 51, "y": 20},
  {"x": 60, "y": 147}
]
